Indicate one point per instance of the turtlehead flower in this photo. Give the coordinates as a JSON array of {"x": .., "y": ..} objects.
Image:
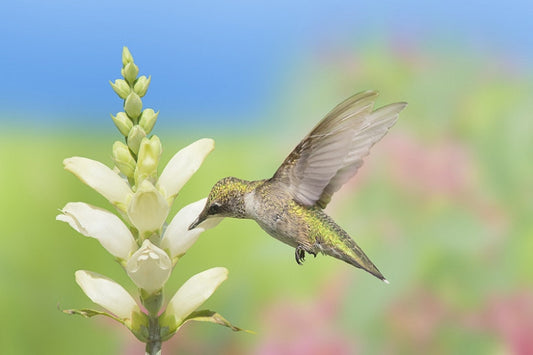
[
  {"x": 149, "y": 267},
  {"x": 135, "y": 137},
  {"x": 102, "y": 225},
  {"x": 148, "y": 159},
  {"x": 191, "y": 295},
  {"x": 107, "y": 293},
  {"x": 126, "y": 56},
  {"x": 143, "y": 201},
  {"x": 148, "y": 119},
  {"x": 148, "y": 209},
  {"x": 121, "y": 87},
  {"x": 133, "y": 106},
  {"x": 141, "y": 85},
  {"x": 123, "y": 123},
  {"x": 123, "y": 159},
  {"x": 182, "y": 166},
  {"x": 178, "y": 238},
  {"x": 130, "y": 72},
  {"x": 101, "y": 178}
]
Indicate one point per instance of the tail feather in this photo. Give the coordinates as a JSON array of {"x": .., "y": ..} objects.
[{"x": 352, "y": 254}]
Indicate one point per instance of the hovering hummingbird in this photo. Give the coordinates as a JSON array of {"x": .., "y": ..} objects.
[{"x": 289, "y": 206}]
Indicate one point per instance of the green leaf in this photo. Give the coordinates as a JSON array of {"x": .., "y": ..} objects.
[
  {"x": 88, "y": 313},
  {"x": 213, "y": 317},
  {"x": 200, "y": 316},
  {"x": 138, "y": 325}
]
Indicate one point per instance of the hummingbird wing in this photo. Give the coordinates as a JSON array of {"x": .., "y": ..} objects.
[{"x": 334, "y": 150}]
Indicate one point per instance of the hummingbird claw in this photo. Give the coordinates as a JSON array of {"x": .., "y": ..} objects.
[{"x": 299, "y": 253}]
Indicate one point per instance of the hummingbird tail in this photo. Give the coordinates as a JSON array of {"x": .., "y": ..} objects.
[{"x": 352, "y": 254}]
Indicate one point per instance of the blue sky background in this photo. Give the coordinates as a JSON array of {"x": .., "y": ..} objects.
[{"x": 212, "y": 59}]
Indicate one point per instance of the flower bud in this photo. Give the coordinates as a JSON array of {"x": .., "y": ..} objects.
[
  {"x": 148, "y": 209},
  {"x": 133, "y": 106},
  {"x": 148, "y": 159},
  {"x": 123, "y": 123},
  {"x": 121, "y": 87},
  {"x": 141, "y": 85},
  {"x": 135, "y": 138},
  {"x": 148, "y": 119},
  {"x": 130, "y": 72},
  {"x": 123, "y": 159},
  {"x": 126, "y": 56},
  {"x": 149, "y": 267}
]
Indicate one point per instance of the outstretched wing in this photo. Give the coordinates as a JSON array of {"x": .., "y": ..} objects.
[{"x": 334, "y": 150}]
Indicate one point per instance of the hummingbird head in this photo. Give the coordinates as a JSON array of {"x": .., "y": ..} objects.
[{"x": 226, "y": 199}]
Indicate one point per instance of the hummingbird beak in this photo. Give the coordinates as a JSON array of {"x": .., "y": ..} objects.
[
  {"x": 195, "y": 223},
  {"x": 202, "y": 217}
]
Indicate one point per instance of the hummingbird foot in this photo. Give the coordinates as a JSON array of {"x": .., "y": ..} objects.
[{"x": 299, "y": 254}]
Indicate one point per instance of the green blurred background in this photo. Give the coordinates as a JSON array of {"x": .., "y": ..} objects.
[{"x": 443, "y": 204}]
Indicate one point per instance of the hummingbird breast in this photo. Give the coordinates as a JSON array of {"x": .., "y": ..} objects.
[{"x": 273, "y": 210}]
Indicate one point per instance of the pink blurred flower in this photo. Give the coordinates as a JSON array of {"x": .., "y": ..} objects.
[
  {"x": 299, "y": 328},
  {"x": 438, "y": 168},
  {"x": 416, "y": 321},
  {"x": 511, "y": 318}
]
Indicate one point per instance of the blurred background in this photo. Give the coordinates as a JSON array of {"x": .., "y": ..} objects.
[{"x": 443, "y": 205}]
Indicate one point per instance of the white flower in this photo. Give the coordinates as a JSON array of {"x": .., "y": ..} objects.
[
  {"x": 149, "y": 267},
  {"x": 182, "y": 166},
  {"x": 101, "y": 178},
  {"x": 193, "y": 293},
  {"x": 148, "y": 209},
  {"x": 107, "y": 293},
  {"x": 100, "y": 224},
  {"x": 148, "y": 159},
  {"x": 178, "y": 238}
]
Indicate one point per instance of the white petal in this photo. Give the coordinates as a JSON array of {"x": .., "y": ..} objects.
[
  {"x": 178, "y": 238},
  {"x": 100, "y": 224},
  {"x": 101, "y": 178},
  {"x": 194, "y": 292},
  {"x": 148, "y": 209},
  {"x": 149, "y": 267},
  {"x": 182, "y": 166},
  {"x": 107, "y": 293}
]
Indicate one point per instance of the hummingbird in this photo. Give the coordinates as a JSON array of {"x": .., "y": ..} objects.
[{"x": 290, "y": 205}]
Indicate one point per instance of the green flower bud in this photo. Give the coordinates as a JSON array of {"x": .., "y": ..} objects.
[
  {"x": 126, "y": 56},
  {"x": 123, "y": 159},
  {"x": 123, "y": 123},
  {"x": 121, "y": 87},
  {"x": 148, "y": 159},
  {"x": 147, "y": 119},
  {"x": 130, "y": 72},
  {"x": 133, "y": 106},
  {"x": 141, "y": 85},
  {"x": 135, "y": 138}
]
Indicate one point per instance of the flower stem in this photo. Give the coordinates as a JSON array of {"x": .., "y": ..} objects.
[{"x": 153, "y": 346}]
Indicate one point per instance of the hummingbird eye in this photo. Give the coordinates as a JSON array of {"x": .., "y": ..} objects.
[{"x": 214, "y": 208}]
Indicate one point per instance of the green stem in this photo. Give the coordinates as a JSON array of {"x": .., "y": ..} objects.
[
  {"x": 153, "y": 346},
  {"x": 152, "y": 302}
]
